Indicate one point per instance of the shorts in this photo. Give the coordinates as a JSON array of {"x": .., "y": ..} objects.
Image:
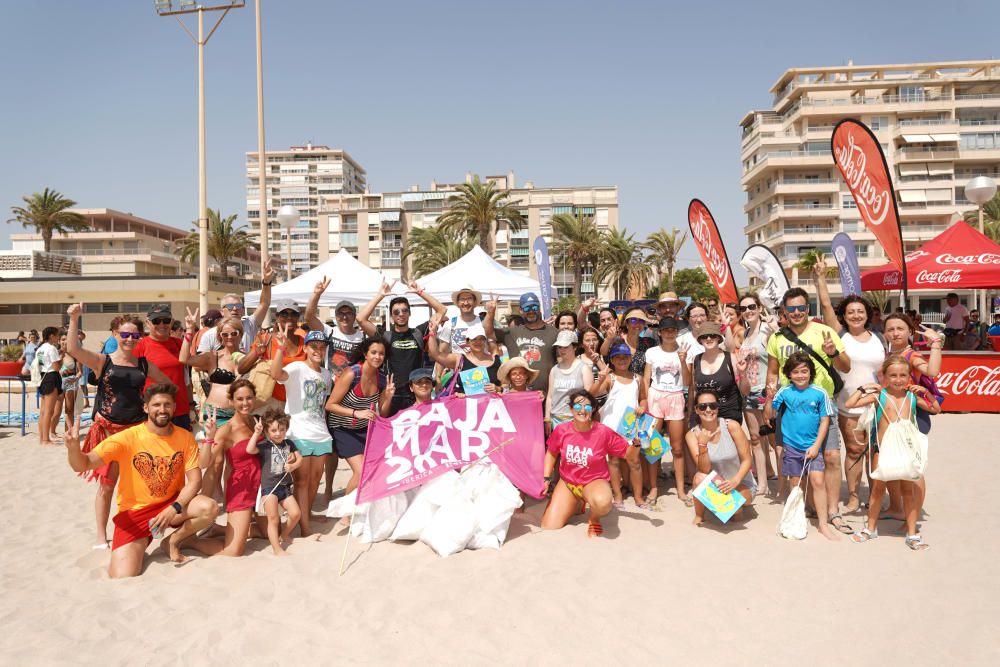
[
  {"x": 832, "y": 443},
  {"x": 133, "y": 525},
  {"x": 280, "y": 492},
  {"x": 792, "y": 461},
  {"x": 755, "y": 400},
  {"x": 667, "y": 405},
  {"x": 313, "y": 447},
  {"x": 349, "y": 442},
  {"x": 51, "y": 382},
  {"x": 68, "y": 384}
]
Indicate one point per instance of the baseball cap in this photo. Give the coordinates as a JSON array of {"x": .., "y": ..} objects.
[
  {"x": 565, "y": 339},
  {"x": 286, "y": 304},
  {"x": 668, "y": 323},
  {"x": 529, "y": 299},
  {"x": 345, "y": 303},
  {"x": 159, "y": 310},
  {"x": 475, "y": 331},
  {"x": 316, "y": 336},
  {"x": 421, "y": 374},
  {"x": 620, "y": 349}
]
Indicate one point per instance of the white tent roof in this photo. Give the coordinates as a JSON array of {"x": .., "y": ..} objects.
[
  {"x": 481, "y": 272},
  {"x": 349, "y": 279}
]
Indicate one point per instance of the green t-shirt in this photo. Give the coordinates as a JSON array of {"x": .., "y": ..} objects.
[{"x": 781, "y": 348}]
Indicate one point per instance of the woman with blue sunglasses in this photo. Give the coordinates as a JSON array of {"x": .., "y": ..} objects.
[{"x": 583, "y": 446}]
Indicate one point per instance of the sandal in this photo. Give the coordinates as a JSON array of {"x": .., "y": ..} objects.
[
  {"x": 594, "y": 529},
  {"x": 916, "y": 542},
  {"x": 688, "y": 502},
  {"x": 643, "y": 506},
  {"x": 864, "y": 535},
  {"x": 843, "y": 527},
  {"x": 618, "y": 504}
]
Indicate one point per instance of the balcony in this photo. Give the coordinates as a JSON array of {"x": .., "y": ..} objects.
[
  {"x": 803, "y": 186},
  {"x": 926, "y": 154},
  {"x": 775, "y": 159}
]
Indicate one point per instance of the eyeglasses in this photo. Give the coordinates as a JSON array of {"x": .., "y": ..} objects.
[
  {"x": 702, "y": 407},
  {"x": 233, "y": 306},
  {"x": 162, "y": 320},
  {"x": 581, "y": 406},
  {"x": 749, "y": 306},
  {"x": 531, "y": 309},
  {"x": 231, "y": 334},
  {"x": 288, "y": 313},
  {"x": 125, "y": 335},
  {"x": 401, "y": 311},
  {"x": 345, "y": 313},
  {"x": 797, "y": 309},
  {"x": 635, "y": 320}
]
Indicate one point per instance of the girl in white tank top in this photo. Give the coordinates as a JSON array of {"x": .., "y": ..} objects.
[{"x": 624, "y": 391}]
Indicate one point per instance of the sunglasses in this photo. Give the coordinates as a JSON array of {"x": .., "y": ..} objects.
[
  {"x": 162, "y": 320},
  {"x": 345, "y": 313},
  {"x": 125, "y": 335},
  {"x": 797, "y": 309},
  {"x": 749, "y": 306},
  {"x": 581, "y": 406},
  {"x": 635, "y": 320},
  {"x": 231, "y": 334},
  {"x": 531, "y": 309},
  {"x": 701, "y": 407},
  {"x": 233, "y": 306},
  {"x": 288, "y": 313},
  {"x": 401, "y": 311}
]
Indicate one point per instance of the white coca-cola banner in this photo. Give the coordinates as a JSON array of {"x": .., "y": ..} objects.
[{"x": 970, "y": 382}]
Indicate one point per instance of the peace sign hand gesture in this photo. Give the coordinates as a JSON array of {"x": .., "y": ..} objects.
[
  {"x": 682, "y": 353},
  {"x": 212, "y": 423},
  {"x": 258, "y": 427},
  {"x": 390, "y": 386},
  {"x": 930, "y": 335},
  {"x": 829, "y": 347},
  {"x": 819, "y": 268},
  {"x": 191, "y": 320},
  {"x": 268, "y": 272},
  {"x": 491, "y": 306},
  {"x": 322, "y": 285},
  {"x": 741, "y": 363}
]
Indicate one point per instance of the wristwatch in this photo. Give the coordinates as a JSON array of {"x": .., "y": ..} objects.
[
  {"x": 836, "y": 353},
  {"x": 177, "y": 507},
  {"x": 266, "y": 284}
]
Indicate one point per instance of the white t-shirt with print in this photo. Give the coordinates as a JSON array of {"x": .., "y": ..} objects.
[
  {"x": 665, "y": 370},
  {"x": 454, "y": 334},
  {"x": 47, "y": 355},
  {"x": 306, "y": 392},
  {"x": 341, "y": 347}
]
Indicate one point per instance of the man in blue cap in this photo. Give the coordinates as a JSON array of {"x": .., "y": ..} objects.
[{"x": 532, "y": 340}]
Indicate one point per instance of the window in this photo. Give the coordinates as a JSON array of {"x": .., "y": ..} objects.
[
  {"x": 848, "y": 202},
  {"x": 912, "y": 93},
  {"x": 556, "y": 210},
  {"x": 879, "y": 122}
]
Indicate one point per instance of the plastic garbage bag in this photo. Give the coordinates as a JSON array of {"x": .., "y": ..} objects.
[{"x": 424, "y": 503}]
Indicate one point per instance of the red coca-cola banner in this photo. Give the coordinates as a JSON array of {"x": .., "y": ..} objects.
[
  {"x": 859, "y": 157},
  {"x": 705, "y": 233},
  {"x": 970, "y": 382}
]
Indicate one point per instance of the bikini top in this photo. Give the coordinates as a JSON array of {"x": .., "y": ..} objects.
[{"x": 221, "y": 375}]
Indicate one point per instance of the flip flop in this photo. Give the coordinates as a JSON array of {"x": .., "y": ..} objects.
[{"x": 844, "y": 527}]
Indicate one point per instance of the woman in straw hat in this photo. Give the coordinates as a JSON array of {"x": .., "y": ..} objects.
[{"x": 633, "y": 324}]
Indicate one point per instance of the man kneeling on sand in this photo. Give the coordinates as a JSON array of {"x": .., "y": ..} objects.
[{"x": 158, "y": 484}]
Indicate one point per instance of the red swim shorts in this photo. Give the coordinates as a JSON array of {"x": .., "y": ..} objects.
[{"x": 132, "y": 525}]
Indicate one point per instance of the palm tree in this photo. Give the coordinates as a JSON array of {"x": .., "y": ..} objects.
[
  {"x": 225, "y": 241},
  {"x": 433, "y": 248},
  {"x": 46, "y": 213},
  {"x": 664, "y": 247},
  {"x": 808, "y": 261},
  {"x": 477, "y": 211},
  {"x": 879, "y": 299},
  {"x": 622, "y": 264},
  {"x": 991, "y": 218},
  {"x": 576, "y": 241}
]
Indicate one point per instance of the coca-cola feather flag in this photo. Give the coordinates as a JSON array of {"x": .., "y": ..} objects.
[
  {"x": 705, "y": 233},
  {"x": 859, "y": 157}
]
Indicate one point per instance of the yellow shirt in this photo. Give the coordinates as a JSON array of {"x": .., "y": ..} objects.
[{"x": 152, "y": 466}]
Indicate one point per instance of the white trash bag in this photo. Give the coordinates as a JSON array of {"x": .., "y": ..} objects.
[
  {"x": 495, "y": 502},
  {"x": 424, "y": 503},
  {"x": 793, "y": 524}
]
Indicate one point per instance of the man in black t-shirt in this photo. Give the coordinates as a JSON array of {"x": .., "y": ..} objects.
[{"x": 407, "y": 345}]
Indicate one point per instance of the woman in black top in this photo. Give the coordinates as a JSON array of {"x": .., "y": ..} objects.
[
  {"x": 480, "y": 354},
  {"x": 117, "y": 402},
  {"x": 715, "y": 370}
]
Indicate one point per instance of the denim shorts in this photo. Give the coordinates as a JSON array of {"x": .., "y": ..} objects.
[{"x": 280, "y": 492}]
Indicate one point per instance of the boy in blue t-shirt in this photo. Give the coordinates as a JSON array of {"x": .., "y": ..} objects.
[{"x": 805, "y": 418}]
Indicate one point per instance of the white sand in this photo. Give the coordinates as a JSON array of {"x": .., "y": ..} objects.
[{"x": 654, "y": 590}]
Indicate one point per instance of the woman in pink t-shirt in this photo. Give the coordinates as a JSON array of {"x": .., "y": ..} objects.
[{"x": 583, "y": 445}]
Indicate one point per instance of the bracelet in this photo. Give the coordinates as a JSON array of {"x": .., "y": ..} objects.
[
  {"x": 209, "y": 441},
  {"x": 188, "y": 336},
  {"x": 267, "y": 284}
]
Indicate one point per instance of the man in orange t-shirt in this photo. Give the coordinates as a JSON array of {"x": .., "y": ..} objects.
[{"x": 157, "y": 487}]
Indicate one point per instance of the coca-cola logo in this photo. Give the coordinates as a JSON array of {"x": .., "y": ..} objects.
[
  {"x": 984, "y": 258},
  {"x": 946, "y": 277},
  {"x": 873, "y": 201},
  {"x": 714, "y": 257},
  {"x": 892, "y": 279},
  {"x": 975, "y": 380}
]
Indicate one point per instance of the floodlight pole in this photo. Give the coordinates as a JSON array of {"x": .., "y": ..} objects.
[
  {"x": 200, "y": 41},
  {"x": 261, "y": 150}
]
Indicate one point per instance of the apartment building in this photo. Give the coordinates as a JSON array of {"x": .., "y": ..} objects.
[
  {"x": 300, "y": 176},
  {"x": 938, "y": 123},
  {"x": 122, "y": 264},
  {"x": 374, "y": 226}
]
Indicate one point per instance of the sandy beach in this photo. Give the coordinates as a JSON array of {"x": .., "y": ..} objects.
[{"x": 654, "y": 590}]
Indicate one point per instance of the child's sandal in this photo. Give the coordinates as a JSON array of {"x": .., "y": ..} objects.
[{"x": 864, "y": 535}]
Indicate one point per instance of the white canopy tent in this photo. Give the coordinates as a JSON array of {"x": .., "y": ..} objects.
[
  {"x": 349, "y": 279},
  {"x": 483, "y": 273}
]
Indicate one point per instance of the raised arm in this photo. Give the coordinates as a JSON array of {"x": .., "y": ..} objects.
[
  {"x": 312, "y": 308},
  {"x": 447, "y": 360},
  {"x": 932, "y": 366},
  {"x": 583, "y": 311},
  {"x": 434, "y": 304},
  {"x": 203, "y": 361},
  {"x": 491, "y": 312},
  {"x": 73, "y": 347},
  {"x": 258, "y": 432},
  {"x": 823, "y": 294},
  {"x": 267, "y": 279},
  {"x": 79, "y": 461},
  {"x": 365, "y": 314}
]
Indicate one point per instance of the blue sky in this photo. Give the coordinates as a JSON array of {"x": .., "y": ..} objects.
[{"x": 101, "y": 96}]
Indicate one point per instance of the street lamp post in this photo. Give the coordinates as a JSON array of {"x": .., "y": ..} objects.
[
  {"x": 261, "y": 150},
  {"x": 288, "y": 217},
  {"x": 980, "y": 190},
  {"x": 165, "y": 8}
]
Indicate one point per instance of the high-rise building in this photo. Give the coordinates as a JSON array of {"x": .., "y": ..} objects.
[
  {"x": 373, "y": 226},
  {"x": 300, "y": 177},
  {"x": 938, "y": 123}
]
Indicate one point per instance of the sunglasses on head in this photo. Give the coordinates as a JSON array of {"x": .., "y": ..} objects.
[
  {"x": 162, "y": 320},
  {"x": 749, "y": 306},
  {"x": 125, "y": 335},
  {"x": 288, "y": 313},
  {"x": 797, "y": 309},
  {"x": 233, "y": 306},
  {"x": 701, "y": 407},
  {"x": 581, "y": 406},
  {"x": 531, "y": 309}
]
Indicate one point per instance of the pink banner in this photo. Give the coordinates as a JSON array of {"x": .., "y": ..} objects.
[{"x": 424, "y": 441}]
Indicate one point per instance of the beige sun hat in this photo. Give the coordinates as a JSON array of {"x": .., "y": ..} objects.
[
  {"x": 511, "y": 364},
  {"x": 467, "y": 288}
]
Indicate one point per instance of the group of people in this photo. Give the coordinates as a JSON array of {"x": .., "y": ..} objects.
[{"x": 764, "y": 400}]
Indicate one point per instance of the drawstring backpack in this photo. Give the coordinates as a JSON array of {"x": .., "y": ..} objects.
[
  {"x": 902, "y": 452},
  {"x": 793, "y": 524}
]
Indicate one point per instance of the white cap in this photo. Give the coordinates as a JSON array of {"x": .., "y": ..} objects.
[
  {"x": 565, "y": 339},
  {"x": 475, "y": 331}
]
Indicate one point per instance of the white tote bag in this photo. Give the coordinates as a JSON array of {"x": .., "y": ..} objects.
[
  {"x": 902, "y": 452},
  {"x": 793, "y": 524}
]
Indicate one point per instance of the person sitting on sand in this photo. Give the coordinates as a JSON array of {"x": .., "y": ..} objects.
[
  {"x": 721, "y": 445},
  {"x": 278, "y": 460},
  {"x": 583, "y": 446},
  {"x": 158, "y": 484},
  {"x": 422, "y": 385}
]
